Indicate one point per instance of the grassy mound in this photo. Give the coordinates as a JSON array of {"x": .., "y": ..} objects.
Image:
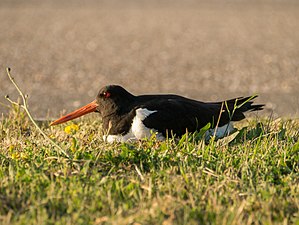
[{"x": 251, "y": 177}]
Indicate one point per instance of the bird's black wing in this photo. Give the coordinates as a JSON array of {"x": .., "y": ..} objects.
[
  {"x": 175, "y": 116},
  {"x": 178, "y": 114}
]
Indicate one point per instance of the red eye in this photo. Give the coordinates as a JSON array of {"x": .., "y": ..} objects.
[{"x": 106, "y": 94}]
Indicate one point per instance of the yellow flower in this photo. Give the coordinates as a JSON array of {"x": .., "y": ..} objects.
[
  {"x": 71, "y": 129},
  {"x": 11, "y": 148},
  {"x": 15, "y": 156}
]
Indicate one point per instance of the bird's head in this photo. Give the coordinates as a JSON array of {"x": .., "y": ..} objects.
[{"x": 110, "y": 99}]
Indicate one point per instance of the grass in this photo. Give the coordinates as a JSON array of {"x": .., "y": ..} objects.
[{"x": 248, "y": 178}]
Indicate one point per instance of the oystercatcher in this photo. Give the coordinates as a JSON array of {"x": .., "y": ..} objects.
[{"x": 129, "y": 117}]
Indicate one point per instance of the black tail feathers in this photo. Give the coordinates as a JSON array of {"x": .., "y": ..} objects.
[
  {"x": 244, "y": 104},
  {"x": 234, "y": 109}
]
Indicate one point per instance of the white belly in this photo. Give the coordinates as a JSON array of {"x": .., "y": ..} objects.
[
  {"x": 220, "y": 132},
  {"x": 120, "y": 138}
]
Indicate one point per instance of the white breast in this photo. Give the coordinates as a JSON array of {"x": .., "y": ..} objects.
[{"x": 138, "y": 130}]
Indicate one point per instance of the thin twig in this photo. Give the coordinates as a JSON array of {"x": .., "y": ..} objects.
[{"x": 25, "y": 107}]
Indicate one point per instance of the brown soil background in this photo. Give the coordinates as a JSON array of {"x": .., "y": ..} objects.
[{"x": 62, "y": 52}]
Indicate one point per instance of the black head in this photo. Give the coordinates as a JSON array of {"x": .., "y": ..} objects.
[{"x": 113, "y": 98}]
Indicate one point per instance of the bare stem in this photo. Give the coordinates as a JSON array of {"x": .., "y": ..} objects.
[
  {"x": 25, "y": 107},
  {"x": 218, "y": 121}
]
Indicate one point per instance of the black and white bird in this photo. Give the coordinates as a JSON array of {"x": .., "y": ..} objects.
[{"x": 127, "y": 117}]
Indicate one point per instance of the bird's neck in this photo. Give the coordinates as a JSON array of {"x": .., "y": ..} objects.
[{"x": 118, "y": 123}]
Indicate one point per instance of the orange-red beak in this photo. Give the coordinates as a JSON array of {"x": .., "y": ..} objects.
[{"x": 91, "y": 107}]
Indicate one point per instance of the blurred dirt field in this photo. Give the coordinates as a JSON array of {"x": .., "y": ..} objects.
[{"x": 62, "y": 53}]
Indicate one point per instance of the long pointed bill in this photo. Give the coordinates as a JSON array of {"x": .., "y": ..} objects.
[{"x": 91, "y": 107}]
